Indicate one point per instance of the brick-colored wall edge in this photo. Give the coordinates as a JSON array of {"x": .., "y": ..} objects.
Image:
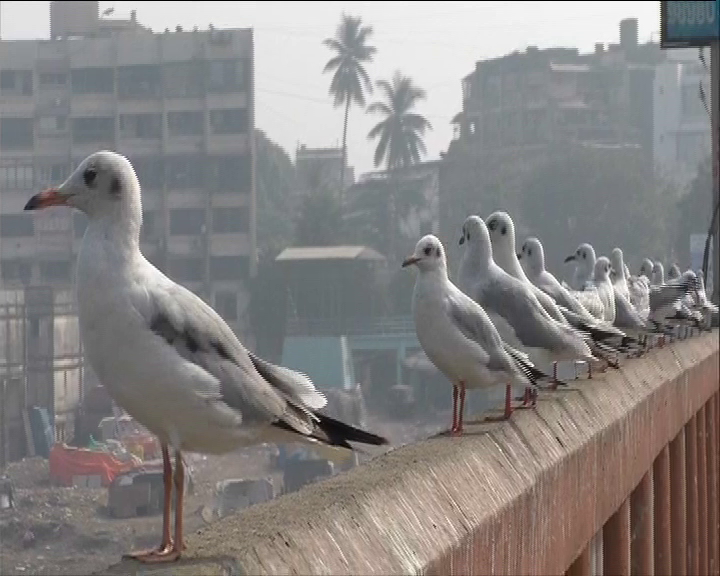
[{"x": 522, "y": 497}]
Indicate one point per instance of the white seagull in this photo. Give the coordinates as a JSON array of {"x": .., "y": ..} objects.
[
  {"x": 167, "y": 357},
  {"x": 457, "y": 336},
  {"x": 511, "y": 305}
]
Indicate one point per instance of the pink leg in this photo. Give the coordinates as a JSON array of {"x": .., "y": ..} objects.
[
  {"x": 457, "y": 428},
  {"x": 508, "y": 407}
]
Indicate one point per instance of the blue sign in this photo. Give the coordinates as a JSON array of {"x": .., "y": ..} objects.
[{"x": 688, "y": 23}]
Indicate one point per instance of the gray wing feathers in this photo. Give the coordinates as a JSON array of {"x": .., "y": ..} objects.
[
  {"x": 256, "y": 390},
  {"x": 625, "y": 315}
]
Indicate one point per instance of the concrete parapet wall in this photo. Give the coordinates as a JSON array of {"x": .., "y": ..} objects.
[{"x": 522, "y": 497}]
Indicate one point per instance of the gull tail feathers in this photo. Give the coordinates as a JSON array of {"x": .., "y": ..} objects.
[
  {"x": 297, "y": 387},
  {"x": 535, "y": 376}
]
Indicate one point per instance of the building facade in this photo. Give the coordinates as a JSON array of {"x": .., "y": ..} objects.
[
  {"x": 179, "y": 105},
  {"x": 681, "y": 118}
]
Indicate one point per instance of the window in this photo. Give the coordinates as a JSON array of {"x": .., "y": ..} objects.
[
  {"x": 187, "y": 269},
  {"x": 230, "y": 219},
  {"x": 16, "y": 133},
  {"x": 91, "y": 129},
  {"x": 146, "y": 126},
  {"x": 228, "y": 267},
  {"x": 187, "y": 221},
  {"x": 55, "y": 271},
  {"x": 229, "y": 121},
  {"x": 184, "y": 172},
  {"x": 138, "y": 81},
  {"x": 52, "y": 124},
  {"x": 16, "y": 83},
  {"x": 16, "y": 271},
  {"x": 691, "y": 105},
  {"x": 79, "y": 224},
  {"x": 50, "y": 79},
  {"x": 226, "y": 304},
  {"x": 93, "y": 81},
  {"x": 16, "y": 225},
  {"x": 147, "y": 232},
  {"x": 225, "y": 75},
  {"x": 51, "y": 174},
  {"x": 230, "y": 173},
  {"x": 16, "y": 176},
  {"x": 693, "y": 147},
  {"x": 149, "y": 171},
  {"x": 185, "y": 123},
  {"x": 182, "y": 80}
]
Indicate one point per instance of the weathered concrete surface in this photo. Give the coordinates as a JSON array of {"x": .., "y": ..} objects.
[{"x": 522, "y": 497}]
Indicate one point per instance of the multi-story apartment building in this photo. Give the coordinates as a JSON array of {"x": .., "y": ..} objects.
[
  {"x": 179, "y": 105},
  {"x": 681, "y": 118},
  {"x": 523, "y": 107}
]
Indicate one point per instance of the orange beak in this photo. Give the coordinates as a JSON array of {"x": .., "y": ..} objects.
[{"x": 49, "y": 197}]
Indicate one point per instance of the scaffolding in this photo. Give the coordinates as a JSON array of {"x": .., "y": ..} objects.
[{"x": 40, "y": 365}]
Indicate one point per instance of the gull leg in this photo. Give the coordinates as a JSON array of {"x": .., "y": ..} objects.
[
  {"x": 166, "y": 543},
  {"x": 173, "y": 553},
  {"x": 508, "y": 407},
  {"x": 554, "y": 384},
  {"x": 589, "y": 370},
  {"x": 575, "y": 364},
  {"x": 453, "y": 429},
  {"x": 461, "y": 409}
]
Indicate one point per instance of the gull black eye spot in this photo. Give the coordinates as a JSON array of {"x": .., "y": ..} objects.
[
  {"x": 530, "y": 252},
  {"x": 89, "y": 177},
  {"x": 427, "y": 250},
  {"x": 437, "y": 251},
  {"x": 503, "y": 230}
]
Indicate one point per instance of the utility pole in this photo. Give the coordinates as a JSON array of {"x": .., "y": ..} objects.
[{"x": 715, "y": 123}]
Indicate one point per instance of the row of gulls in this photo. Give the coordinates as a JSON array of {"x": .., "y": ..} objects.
[
  {"x": 507, "y": 313},
  {"x": 166, "y": 356}
]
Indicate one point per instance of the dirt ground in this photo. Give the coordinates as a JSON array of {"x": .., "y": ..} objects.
[{"x": 66, "y": 531}]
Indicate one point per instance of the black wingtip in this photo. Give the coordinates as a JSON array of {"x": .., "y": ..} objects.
[{"x": 339, "y": 434}]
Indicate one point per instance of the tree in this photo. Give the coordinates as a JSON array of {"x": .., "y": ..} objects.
[
  {"x": 400, "y": 138},
  {"x": 321, "y": 220},
  {"x": 275, "y": 180},
  {"x": 606, "y": 197},
  {"x": 400, "y": 133},
  {"x": 350, "y": 79}
]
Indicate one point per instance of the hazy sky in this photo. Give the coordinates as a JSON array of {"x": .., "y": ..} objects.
[{"x": 436, "y": 43}]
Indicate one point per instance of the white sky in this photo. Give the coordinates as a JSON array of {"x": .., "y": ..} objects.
[{"x": 436, "y": 43}]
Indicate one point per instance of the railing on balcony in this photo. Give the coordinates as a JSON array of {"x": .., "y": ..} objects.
[{"x": 388, "y": 326}]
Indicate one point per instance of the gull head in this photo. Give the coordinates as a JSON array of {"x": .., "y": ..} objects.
[
  {"x": 502, "y": 232},
  {"x": 429, "y": 255},
  {"x": 674, "y": 272},
  {"x": 616, "y": 259},
  {"x": 532, "y": 255},
  {"x": 646, "y": 269},
  {"x": 104, "y": 183},
  {"x": 584, "y": 257},
  {"x": 475, "y": 233},
  {"x": 658, "y": 273},
  {"x": 603, "y": 268}
]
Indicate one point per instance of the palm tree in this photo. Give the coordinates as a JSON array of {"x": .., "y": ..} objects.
[
  {"x": 350, "y": 79},
  {"x": 399, "y": 134}
]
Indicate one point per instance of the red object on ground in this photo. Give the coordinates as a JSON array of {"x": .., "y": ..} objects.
[{"x": 67, "y": 462}]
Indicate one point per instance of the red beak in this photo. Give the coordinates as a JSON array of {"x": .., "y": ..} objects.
[{"x": 49, "y": 197}]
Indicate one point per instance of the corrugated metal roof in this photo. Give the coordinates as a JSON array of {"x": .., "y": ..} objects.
[{"x": 328, "y": 253}]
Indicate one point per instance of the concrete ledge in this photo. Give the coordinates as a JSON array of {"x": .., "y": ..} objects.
[{"x": 522, "y": 497}]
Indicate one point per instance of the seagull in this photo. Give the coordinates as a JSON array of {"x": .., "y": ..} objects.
[
  {"x": 511, "y": 305},
  {"x": 502, "y": 236},
  {"x": 584, "y": 259},
  {"x": 532, "y": 258},
  {"x": 646, "y": 269},
  {"x": 167, "y": 357},
  {"x": 619, "y": 270},
  {"x": 457, "y": 336},
  {"x": 604, "y": 287},
  {"x": 673, "y": 272}
]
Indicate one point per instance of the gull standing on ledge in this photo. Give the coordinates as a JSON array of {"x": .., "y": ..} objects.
[
  {"x": 167, "y": 357},
  {"x": 458, "y": 337}
]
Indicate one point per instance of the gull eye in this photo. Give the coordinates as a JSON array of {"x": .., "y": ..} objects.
[
  {"x": 427, "y": 250},
  {"x": 89, "y": 177}
]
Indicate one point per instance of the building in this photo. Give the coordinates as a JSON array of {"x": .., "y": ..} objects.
[
  {"x": 179, "y": 104},
  {"x": 522, "y": 107},
  {"x": 681, "y": 119},
  {"x": 320, "y": 169}
]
